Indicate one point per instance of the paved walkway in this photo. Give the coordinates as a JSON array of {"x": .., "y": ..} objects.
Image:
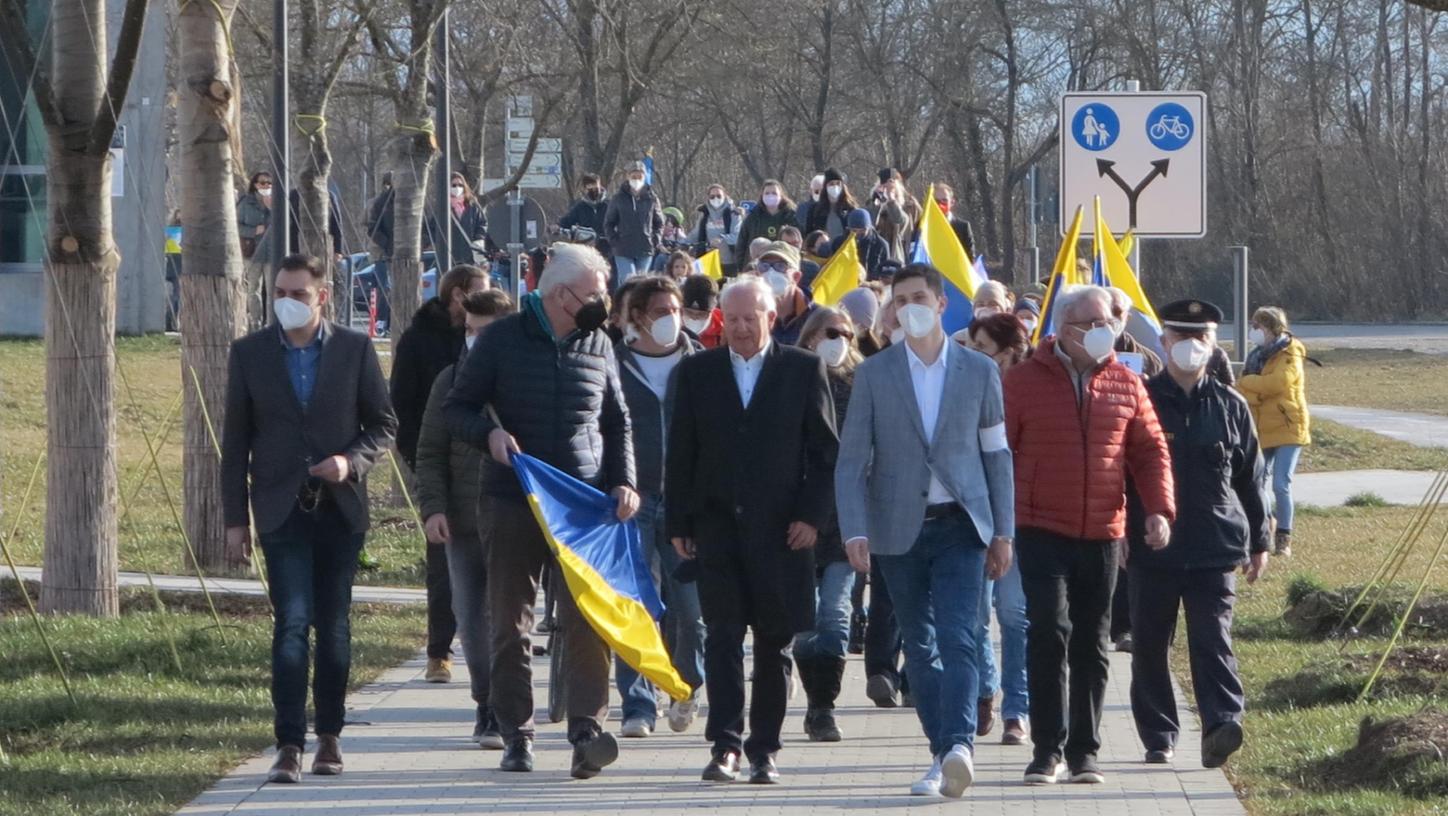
[
  {"x": 409, "y": 754},
  {"x": 1333, "y": 488},
  {"x": 244, "y": 586},
  {"x": 1423, "y": 430}
]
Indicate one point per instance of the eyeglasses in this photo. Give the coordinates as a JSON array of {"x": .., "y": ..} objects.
[
  {"x": 772, "y": 266},
  {"x": 833, "y": 333},
  {"x": 1091, "y": 324}
]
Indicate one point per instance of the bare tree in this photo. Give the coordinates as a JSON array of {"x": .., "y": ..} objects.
[{"x": 79, "y": 101}]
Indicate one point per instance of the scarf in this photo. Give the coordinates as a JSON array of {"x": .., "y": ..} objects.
[{"x": 1257, "y": 358}]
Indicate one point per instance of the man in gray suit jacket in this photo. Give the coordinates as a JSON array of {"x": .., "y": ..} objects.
[
  {"x": 923, "y": 481},
  {"x": 307, "y": 416}
]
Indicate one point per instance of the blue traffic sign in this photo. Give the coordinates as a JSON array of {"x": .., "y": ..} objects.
[
  {"x": 1169, "y": 126},
  {"x": 1095, "y": 126}
]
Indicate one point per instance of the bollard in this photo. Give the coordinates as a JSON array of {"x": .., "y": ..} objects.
[{"x": 1240, "y": 268}]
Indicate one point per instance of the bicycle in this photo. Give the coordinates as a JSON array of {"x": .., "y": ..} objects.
[{"x": 1170, "y": 125}]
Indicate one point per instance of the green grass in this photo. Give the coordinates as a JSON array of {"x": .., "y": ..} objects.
[
  {"x": 1380, "y": 378},
  {"x": 147, "y": 738},
  {"x": 1299, "y": 690},
  {"x": 1341, "y": 447},
  {"x": 149, "y": 539}
]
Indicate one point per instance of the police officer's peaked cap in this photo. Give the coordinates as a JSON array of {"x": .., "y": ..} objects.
[{"x": 1191, "y": 315}]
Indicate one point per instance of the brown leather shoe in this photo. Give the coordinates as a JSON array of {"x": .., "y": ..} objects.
[
  {"x": 984, "y": 716},
  {"x": 1015, "y": 733},
  {"x": 328, "y": 761},
  {"x": 439, "y": 670},
  {"x": 288, "y": 767}
]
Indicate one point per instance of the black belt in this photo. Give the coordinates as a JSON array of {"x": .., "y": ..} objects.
[{"x": 944, "y": 510}]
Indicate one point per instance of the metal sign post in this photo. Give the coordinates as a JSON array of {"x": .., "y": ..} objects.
[
  {"x": 442, "y": 204},
  {"x": 1240, "y": 270},
  {"x": 281, "y": 216}
]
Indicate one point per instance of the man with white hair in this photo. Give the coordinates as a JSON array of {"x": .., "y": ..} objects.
[
  {"x": 1078, "y": 423},
  {"x": 1129, "y": 349},
  {"x": 548, "y": 374},
  {"x": 748, "y": 485}
]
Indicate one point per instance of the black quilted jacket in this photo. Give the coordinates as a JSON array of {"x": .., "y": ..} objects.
[{"x": 561, "y": 401}]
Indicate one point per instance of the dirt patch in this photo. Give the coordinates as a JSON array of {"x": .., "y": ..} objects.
[
  {"x": 1409, "y": 754},
  {"x": 1319, "y": 613}
]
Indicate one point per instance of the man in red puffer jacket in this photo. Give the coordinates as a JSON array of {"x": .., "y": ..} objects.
[{"x": 1078, "y": 422}]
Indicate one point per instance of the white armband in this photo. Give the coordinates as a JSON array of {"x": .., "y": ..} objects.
[{"x": 993, "y": 438}]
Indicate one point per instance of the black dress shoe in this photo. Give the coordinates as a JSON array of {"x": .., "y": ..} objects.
[
  {"x": 1160, "y": 756},
  {"x": 1221, "y": 742},
  {"x": 518, "y": 756},
  {"x": 724, "y": 767},
  {"x": 763, "y": 772},
  {"x": 593, "y": 755}
]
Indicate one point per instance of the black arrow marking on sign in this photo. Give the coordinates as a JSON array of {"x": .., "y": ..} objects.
[{"x": 1108, "y": 168}]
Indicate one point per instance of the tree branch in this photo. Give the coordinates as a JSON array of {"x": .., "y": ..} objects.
[
  {"x": 128, "y": 44},
  {"x": 15, "y": 37}
]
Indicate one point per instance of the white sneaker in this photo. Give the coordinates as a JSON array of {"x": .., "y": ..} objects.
[
  {"x": 682, "y": 713},
  {"x": 929, "y": 784},
  {"x": 957, "y": 771},
  {"x": 636, "y": 728}
]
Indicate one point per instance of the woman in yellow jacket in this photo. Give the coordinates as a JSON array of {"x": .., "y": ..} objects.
[{"x": 1275, "y": 387}]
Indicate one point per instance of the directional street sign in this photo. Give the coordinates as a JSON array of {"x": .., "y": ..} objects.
[{"x": 1143, "y": 153}]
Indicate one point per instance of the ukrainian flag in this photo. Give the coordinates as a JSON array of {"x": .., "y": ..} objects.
[
  {"x": 1115, "y": 270},
  {"x": 709, "y": 264},
  {"x": 602, "y": 562},
  {"x": 1063, "y": 272},
  {"x": 937, "y": 245},
  {"x": 839, "y": 275}
]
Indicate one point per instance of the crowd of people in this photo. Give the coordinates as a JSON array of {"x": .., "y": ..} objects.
[{"x": 827, "y": 479}]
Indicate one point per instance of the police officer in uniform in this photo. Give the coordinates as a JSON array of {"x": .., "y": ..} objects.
[{"x": 1221, "y": 524}]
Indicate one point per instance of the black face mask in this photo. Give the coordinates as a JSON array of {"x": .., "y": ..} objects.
[
  {"x": 591, "y": 316},
  {"x": 593, "y": 195}
]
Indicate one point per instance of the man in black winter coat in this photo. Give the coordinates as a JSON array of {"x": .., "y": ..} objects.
[
  {"x": 1221, "y": 525},
  {"x": 587, "y": 211},
  {"x": 632, "y": 226},
  {"x": 545, "y": 382},
  {"x": 431, "y": 344}
]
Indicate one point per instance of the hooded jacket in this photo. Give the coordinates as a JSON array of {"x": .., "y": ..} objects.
[
  {"x": 429, "y": 345},
  {"x": 1277, "y": 393},
  {"x": 633, "y": 223},
  {"x": 721, "y": 223}
]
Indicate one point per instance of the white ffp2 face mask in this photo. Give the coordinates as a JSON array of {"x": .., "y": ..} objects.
[
  {"x": 917, "y": 319},
  {"x": 1191, "y": 355},
  {"x": 834, "y": 192},
  {"x": 665, "y": 330},
  {"x": 697, "y": 325},
  {"x": 1257, "y": 337},
  {"x": 833, "y": 350},
  {"x": 636, "y": 184},
  {"x": 1099, "y": 342},
  {"x": 778, "y": 282},
  {"x": 291, "y": 313}
]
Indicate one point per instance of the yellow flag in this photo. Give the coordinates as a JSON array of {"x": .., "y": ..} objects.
[
  {"x": 1128, "y": 243},
  {"x": 840, "y": 274},
  {"x": 1063, "y": 272},
  {"x": 708, "y": 264},
  {"x": 1119, "y": 273}
]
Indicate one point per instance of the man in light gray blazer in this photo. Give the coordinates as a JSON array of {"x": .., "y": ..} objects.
[{"x": 923, "y": 482}]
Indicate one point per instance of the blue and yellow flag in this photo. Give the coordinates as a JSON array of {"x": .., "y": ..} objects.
[
  {"x": 1063, "y": 272},
  {"x": 602, "y": 562},
  {"x": 709, "y": 264},
  {"x": 1116, "y": 271},
  {"x": 839, "y": 275},
  {"x": 937, "y": 244}
]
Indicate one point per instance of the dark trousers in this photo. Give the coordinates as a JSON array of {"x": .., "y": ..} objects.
[
  {"x": 1068, "y": 584},
  {"x": 442, "y": 625},
  {"x": 724, "y": 684},
  {"x": 882, "y": 631},
  {"x": 310, "y": 562},
  {"x": 1209, "y": 597},
  {"x": 468, "y": 568},
  {"x": 1121, "y": 605},
  {"x": 516, "y": 553}
]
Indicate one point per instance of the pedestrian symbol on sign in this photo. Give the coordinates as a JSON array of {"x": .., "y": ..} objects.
[{"x": 1095, "y": 126}]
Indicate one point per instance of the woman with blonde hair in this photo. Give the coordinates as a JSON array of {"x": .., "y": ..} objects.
[{"x": 1275, "y": 386}]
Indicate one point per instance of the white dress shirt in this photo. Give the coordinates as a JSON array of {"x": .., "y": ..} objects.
[
  {"x": 746, "y": 372},
  {"x": 929, "y": 382}
]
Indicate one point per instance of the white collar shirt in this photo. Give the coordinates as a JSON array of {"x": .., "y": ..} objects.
[
  {"x": 929, "y": 383},
  {"x": 746, "y": 372}
]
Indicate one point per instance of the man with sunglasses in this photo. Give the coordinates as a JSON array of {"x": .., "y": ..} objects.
[
  {"x": 545, "y": 382},
  {"x": 778, "y": 265},
  {"x": 307, "y": 416},
  {"x": 1079, "y": 423}
]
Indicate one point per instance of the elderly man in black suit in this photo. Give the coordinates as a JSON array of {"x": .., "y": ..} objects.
[
  {"x": 307, "y": 416},
  {"x": 750, "y": 480}
]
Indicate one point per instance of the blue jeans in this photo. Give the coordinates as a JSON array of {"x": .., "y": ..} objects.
[
  {"x": 628, "y": 267},
  {"x": 832, "y": 614},
  {"x": 936, "y": 587},
  {"x": 1282, "y": 461},
  {"x": 1010, "y": 676},
  {"x": 310, "y": 561},
  {"x": 683, "y": 623}
]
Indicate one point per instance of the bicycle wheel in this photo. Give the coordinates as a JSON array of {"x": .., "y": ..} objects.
[
  {"x": 1158, "y": 131},
  {"x": 557, "y": 694}
]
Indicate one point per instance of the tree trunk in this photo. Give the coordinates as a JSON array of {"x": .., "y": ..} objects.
[
  {"x": 80, "y": 368},
  {"x": 212, "y": 310},
  {"x": 413, "y": 154},
  {"x": 314, "y": 208}
]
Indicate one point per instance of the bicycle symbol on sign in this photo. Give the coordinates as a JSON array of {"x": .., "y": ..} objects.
[{"x": 1170, "y": 125}]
